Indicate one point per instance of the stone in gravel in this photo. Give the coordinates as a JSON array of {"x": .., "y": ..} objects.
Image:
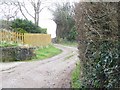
[
  {"x": 68, "y": 66},
  {"x": 53, "y": 83}
]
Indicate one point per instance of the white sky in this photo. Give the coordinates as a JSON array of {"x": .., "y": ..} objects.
[{"x": 45, "y": 16}]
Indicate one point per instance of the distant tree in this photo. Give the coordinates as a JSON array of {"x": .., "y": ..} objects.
[
  {"x": 26, "y": 25},
  {"x": 63, "y": 16}
]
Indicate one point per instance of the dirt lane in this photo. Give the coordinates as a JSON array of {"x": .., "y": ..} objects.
[{"x": 50, "y": 73}]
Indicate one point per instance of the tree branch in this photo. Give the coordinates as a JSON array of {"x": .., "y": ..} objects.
[
  {"x": 27, "y": 11},
  {"x": 21, "y": 11}
]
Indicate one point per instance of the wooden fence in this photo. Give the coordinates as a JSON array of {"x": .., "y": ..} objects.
[
  {"x": 37, "y": 39},
  {"x": 26, "y": 38}
]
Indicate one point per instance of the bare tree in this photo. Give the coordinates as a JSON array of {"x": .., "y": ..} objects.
[
  {"x": 8, "y": 10},
  {"x": 63, "y": 16},
  {"x": 37, "y": 6}
]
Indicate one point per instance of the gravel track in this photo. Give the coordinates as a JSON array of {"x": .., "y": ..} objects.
[{"x": 54, "y": 72}]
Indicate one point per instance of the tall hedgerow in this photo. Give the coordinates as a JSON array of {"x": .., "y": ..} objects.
[{"x": 99, "y": 45}]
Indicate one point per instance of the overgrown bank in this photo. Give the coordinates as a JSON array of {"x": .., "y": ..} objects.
[{"x": 17, "y": 53}]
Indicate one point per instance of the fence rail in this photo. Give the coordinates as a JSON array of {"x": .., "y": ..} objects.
[{"x": 26, "y": 38}]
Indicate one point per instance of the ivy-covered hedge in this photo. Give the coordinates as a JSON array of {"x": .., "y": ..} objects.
[
  {"x": 102, "y": 65},
  {"x": 10, "y": 54},
  {"x": 99, "y": 45}
]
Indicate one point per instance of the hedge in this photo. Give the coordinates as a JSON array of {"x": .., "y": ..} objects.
[{"x": 99, "y": 45}]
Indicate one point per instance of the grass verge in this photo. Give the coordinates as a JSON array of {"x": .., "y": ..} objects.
[
  {"x": 47, "y": 52},
  {"x": 6, "y": 44},
  {"x": 75, "y": 82}
]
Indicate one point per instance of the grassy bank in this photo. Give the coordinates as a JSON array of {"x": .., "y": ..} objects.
[
  {"x": 47, "y": 52},
  {"x": 75, "y": 77}
]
